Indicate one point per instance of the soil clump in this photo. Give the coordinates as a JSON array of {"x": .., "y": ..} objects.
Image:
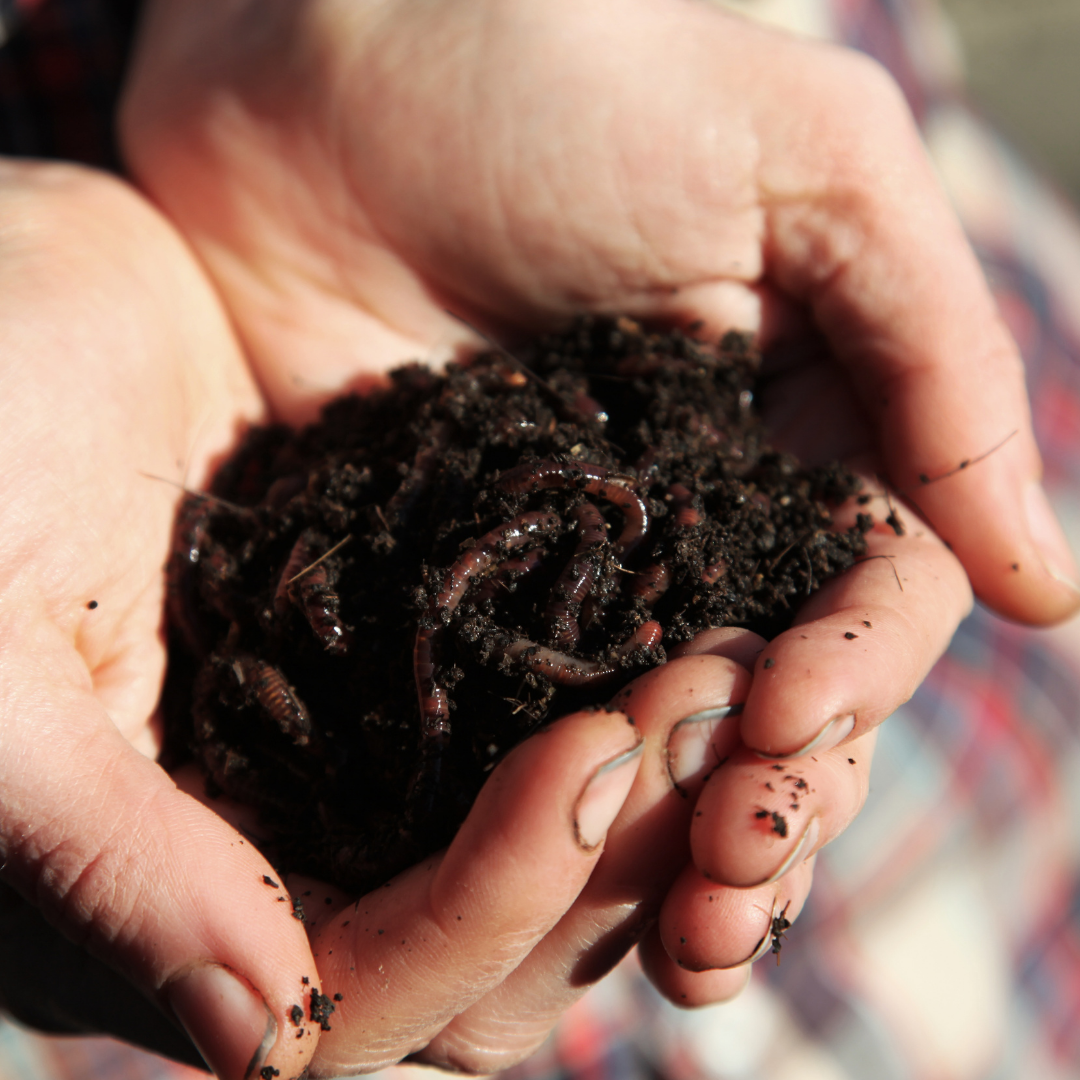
[{"x": 368, "y": 614}]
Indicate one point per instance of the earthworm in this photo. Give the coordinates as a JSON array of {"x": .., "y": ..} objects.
[
  {"x": 646, "y": 636},
  {"x": 267, "y": 686},
  {"x": 506, "y": 576},
  {"x": 712, "y": 574},
  {"x": 194, "y": 551},
  {"x": 566, "y": 670},
  {"x": 231, "y": 769},
  {"x": 594, "y": 479},
  {"x": 310, "y": 584},
  {"x": 189, "y": 537},
  {"x": 321, "y": 605},
  {"x": 298, "y": 558},
  {"x": 574, "y": 583},
  {"x": 283, "y": 489},
  {"x": 418, "y": 479},
  {"x": 655, "y": 580},
  {"x": 651, "y": 583},
  {"x": 434, "y": 705},
  {"x": 681, "y": 499}
]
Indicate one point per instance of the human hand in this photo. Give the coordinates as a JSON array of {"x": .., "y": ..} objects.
[
  {"x": 350, "y": 170},
  {"x": 120, "y": 369},
  {"x": 118, "y": 365}
]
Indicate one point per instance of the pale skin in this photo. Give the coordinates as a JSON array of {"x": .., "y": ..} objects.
[{"x": 346, "y": 172}]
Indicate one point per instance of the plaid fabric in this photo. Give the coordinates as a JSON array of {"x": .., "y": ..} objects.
[
  {"x": 942, "y": 938},
  {"x": 61, "y": 67}
]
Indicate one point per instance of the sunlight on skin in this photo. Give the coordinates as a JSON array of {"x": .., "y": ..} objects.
[{"x": 340, "y": 207}]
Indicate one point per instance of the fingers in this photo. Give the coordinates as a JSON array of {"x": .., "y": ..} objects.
[
  {"x": 410, "y": 956},
  {"x": 756, "y": 820},
  {"x": 859, "y": 229},
  {"x": 645, "y": 851},
  {"x": 708, "y": 929},
  {"x": 688, "y": 989},
  {"x": 114, "y": 340},
  {"x": 147, "y": 879},
  {"x": 860, "y": 645}
]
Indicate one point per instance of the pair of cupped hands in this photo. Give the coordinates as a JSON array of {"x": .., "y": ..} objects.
[{"x": 321, "y": 182}]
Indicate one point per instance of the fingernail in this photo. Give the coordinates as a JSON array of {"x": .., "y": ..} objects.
[
  {"x": 832, "y": 734},
  {"x": 763, "y": 946},
  {"x": 689, "y": 748},
  {"x": 603, "y": 797},
  {"x": 798, "y": 854},
  {"x": 1048, "y": 536},
  {"x": 225, "y": 1018}
]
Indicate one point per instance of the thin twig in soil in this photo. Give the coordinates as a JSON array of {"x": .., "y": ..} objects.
[
  {"x": 505, "y": 353},
  {"x": 205, "y": 496},
  {"x": 322, "y": 558},
  {"x": 776, "y": 562}
]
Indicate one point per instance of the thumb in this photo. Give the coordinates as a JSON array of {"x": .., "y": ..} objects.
[{"x": 150, "y": 881}]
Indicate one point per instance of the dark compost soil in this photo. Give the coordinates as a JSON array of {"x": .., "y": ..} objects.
[{"x": 368, "y": 614}]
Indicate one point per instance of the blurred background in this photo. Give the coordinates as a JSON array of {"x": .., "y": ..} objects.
[{"x": 1022, "y": 61}]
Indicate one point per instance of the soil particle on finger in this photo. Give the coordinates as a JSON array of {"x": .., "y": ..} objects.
[
  {"x": 321, "y": 1009},
  {"x": 368, "y": 614},
  {"x": 779, "y": 823}
]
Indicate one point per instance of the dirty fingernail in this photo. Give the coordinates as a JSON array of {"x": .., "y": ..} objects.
[
  {"x": 832, "y": 734},
  {"x": 604, "y": 795},
  {"x": 763, "y": 946},
  {"x": 690, "y": 744},
  {"x": 1048, "y": 536},
  {"x": 225, "y": 1018}
]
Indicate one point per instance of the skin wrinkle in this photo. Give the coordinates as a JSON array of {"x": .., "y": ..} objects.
[
  {"x": 78, "y": 903},
  {"x": 231, "y": 121},
  {"x": 648, "y": 265},
  {"x": 488, "y": 1050},
  {"x": 367, "y": 228}
]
